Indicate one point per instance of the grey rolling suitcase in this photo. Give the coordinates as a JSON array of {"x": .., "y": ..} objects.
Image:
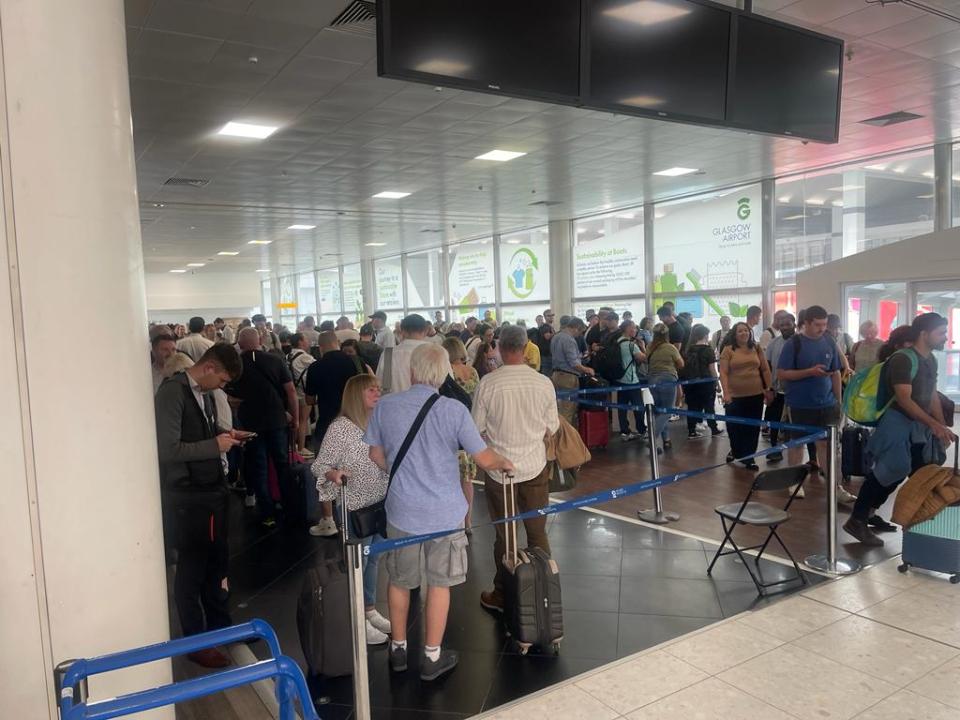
[{"x": 533, "y": 609}]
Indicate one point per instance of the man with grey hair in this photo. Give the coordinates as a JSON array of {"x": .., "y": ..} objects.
[
  {"x": 425, "y": 497},
  {"x": 568, "y": 363},
  {"x": 514, "y": 409},
  {"x": 393, "y": 370}
]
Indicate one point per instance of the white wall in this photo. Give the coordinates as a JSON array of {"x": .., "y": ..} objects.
[
  {"x": 926, "y": 257},
  {"x": 174, "y": 297}
]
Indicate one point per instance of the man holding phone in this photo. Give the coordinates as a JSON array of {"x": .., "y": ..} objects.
[{"x": 194, "y": 492}]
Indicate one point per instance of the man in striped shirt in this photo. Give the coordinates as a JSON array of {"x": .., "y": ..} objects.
[{"x": 514, "y": 407}]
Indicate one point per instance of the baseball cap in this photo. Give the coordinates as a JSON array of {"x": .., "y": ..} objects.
[
  {"x": 379, "y": 315},
  {"x": 414, "y": 323}
]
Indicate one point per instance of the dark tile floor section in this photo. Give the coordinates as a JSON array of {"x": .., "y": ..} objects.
[{"x": 625, "y": 588}]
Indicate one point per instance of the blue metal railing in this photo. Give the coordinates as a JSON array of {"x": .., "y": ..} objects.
[{"x": 290, "y": 682}]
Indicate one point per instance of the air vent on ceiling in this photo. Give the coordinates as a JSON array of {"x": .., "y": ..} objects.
[
  {"x": 894, "y": 118},
  {"x": 187, "y": 182},
  {"x": 545, "y": 203},
  {"x": 359, "y": 18}
]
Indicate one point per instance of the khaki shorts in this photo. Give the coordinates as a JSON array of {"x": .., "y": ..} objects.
[{"x": 445, "y": 561}]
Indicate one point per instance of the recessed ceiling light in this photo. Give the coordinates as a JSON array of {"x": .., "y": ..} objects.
[
  {"x": 301, "y": 227},
  {"x": 795, "y": 217},
  {"x": 815, "y": 201},
  {"x": 230, "y": 254},
  {"x": 263, "y": 270},
  {"x": 500, "y": 155},
  {"x": 513, "y": 242},
  {"x": 247, "y": 130},
  {"x": 784, "y": 199},
  {"x": 626, "y": 216},
  {"x": 925, "y": 197},
  {"x": 646, "y": 12},
  {"x": 841, "y": 188},
  {"x": 391, "y": 195},
  {"x": 676, "y": 171},
  {"x": 881, "y": 168},
  {"x": 374, "y": 244},
  {"x": 195, "y": 264},
  {"x": 178, "y": 271},
  {"x": 928, "y": 174},
  {"x": 607, "y": 206},
  {"x": 837, "y": 203},
  {"x": 259, "y": 242}
]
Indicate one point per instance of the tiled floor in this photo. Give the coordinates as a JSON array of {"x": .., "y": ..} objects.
[
  {"x": 878, "y": 645},
  {"x": 626, "y": 588}
]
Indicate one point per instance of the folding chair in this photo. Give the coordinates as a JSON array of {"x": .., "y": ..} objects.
[{"x": 758, "y": 514}]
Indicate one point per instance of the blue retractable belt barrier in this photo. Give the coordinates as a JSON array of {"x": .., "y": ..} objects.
[
  {"x": 291, "y": 685},
  {"x": 740, "y": 420},
  {"x": 383, "y": 546},
  {"x": 609, "y": 389}
]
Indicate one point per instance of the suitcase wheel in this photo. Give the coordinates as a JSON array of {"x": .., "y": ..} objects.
[
  {"x": 903, "y": 568},
  {"x": 955, "y": 579}
]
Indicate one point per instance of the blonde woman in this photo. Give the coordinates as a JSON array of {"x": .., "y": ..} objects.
[
  {"x": 468, "y": 379},
  {"x": 343, "y": 454}
]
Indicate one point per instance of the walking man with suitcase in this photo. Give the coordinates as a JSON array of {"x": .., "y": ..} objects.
[
  {"x": 514, "y": 408},
  {"x": 194, "y": 492},
  {"x": 912, "y": 432}
]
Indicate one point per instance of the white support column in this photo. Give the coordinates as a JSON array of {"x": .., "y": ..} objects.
[
  {"x": 561, "y": 268},
  {"x": 854, "y": 213},
  {"x": 943, "y": 186},
  {"x": 368, "y": 281},
  {"x": 83, "y": 566}
]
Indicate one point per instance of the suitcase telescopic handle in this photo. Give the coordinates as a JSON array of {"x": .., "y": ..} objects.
[
  {"x": 509, "y": 509},
  {"x": 344, "y": 515}
]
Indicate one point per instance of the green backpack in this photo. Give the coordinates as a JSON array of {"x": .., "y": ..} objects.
[{"x": 861, "y": 398}]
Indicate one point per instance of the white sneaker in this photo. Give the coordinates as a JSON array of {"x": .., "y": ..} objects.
[
  {"x": 800, "y": 495},
  {"x": 627, "y": 437},
  {"x": 325, "y": 528},
  {"x": 250, "y": 501},
  {"x": 845, "y": 497},
  {"x": 379, "y": 622},
  {"x": 307, "y": 454},
  {"x": 374, "y": 636}
]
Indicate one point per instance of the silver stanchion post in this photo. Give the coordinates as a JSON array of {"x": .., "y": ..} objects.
[
  {"x": 353, "y": 555},
  {"x": 654, "y": 515},
  {"x": 830, "y": 563}
]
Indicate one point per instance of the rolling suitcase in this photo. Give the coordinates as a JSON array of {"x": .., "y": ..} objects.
[
  {"x": 853, "y": 451},
  {"x": 323, "y": 616},
  {"x": 533, "y": 610},
  {"x": 934, "y": 544},
  {"x": 594, "y": 427}
]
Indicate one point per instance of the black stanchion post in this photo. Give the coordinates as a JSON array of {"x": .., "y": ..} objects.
[
  {"x": 830, "y": 563},
  {"x": 655, "y": 514}
]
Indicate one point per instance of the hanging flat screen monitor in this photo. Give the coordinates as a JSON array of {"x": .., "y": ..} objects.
[
  {"x": 665, "y": 58},
  {"x": 527, "y": 48},
  {"x": 785, "y": 80}
]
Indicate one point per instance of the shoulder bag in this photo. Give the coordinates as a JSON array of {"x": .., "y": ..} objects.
[{"x": 372, "y": 520}]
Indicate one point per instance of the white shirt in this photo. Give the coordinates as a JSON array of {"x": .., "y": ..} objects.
[
  {"x": 756, "y": 331},
  {"x": 228, "y": 335},
  {"x": 312, "y": 336},
  {"x": 347, "y": 334},
  {"x": 299, "y": 362},
  {"x": 399, "y": 365},
  {"x": 514, "y": 408},
  {"x": 766, "y": 338},
  {"x": 194, "y": 345},
  {"x": 472, "y": 346},
  {"x": 384, "y": 338}
]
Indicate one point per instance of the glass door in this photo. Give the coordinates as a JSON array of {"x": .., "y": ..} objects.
[{"x": 943, "y": 297}]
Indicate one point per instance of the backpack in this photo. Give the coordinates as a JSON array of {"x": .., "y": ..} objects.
[
  {"x": 297, "y": 381},
  {"x": 861, "y": 399},
  {"x": 692, "y": 367},
  {"x": 609, "y": 361}
]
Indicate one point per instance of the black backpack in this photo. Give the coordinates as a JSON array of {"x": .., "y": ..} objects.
[{"x": 609, "y": 362}]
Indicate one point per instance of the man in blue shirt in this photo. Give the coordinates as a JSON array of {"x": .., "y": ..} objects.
[
  {"x": 425, "y": 496},
  {"x": 568, "y": 363},
  {"x": 809, "y": 367}
]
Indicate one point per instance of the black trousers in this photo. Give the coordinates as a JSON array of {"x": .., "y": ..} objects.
[
  {"x": 701, "y": 398},
  {"x": 202, "y": 557},
  {"x": 873, "y": 495},
  {"x": 744, "y": 438},
  {"x": 630, "y": 397},
  {"x": 774, "y": 413}
]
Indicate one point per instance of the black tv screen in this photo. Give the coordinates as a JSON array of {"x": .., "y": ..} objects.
[
  {"x": 785, "y": 80},
  {"x": 657, "y": 57},
  {"x": 528, "y": 48}
]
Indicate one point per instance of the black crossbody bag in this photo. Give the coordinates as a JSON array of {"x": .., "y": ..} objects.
[{"x": 372, "y": 520}]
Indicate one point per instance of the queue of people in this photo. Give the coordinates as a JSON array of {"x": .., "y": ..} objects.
[{"x": 376, "y": 408}]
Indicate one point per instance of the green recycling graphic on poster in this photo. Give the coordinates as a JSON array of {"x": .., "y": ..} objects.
[
  {"x": 524, "y": 272},
  {"x": 709, "y": 245}
]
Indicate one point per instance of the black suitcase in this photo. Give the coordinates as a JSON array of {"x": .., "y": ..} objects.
[
  {"x": 533, "y": 609},
  {"x": 853, "y": 450}
]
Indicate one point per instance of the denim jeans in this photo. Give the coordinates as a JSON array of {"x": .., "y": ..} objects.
[
  {"x": 630, "y": 397},
  {"x": 663, "y": 396},
  {"x": 370, "y": 572},
  {"x": 274, "y": 444}
]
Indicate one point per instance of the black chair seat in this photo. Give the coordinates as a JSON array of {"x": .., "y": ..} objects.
[{"x": 754, "y": 513}]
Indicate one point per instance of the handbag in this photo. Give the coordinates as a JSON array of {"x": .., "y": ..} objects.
[
  {"x": 566, "y": 447},
  {"x": 372, "y": 519},
  {"x": 561, "y": 480},
  {"x": 451, "y": 389}
]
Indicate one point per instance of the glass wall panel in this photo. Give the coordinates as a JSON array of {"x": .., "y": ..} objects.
[
  {"x": 710, "y": 242},
  {"x": 266, "y": 299},
  {"x": 884, "y": 303},
  {"x": 525, "y": 313},
  {"x": 328, "y": 291},
  {"x": 944, "y": 297},
  {"x": 707, "y": 309},
  {"x": 307, "y": 295},
  {"x": 825, "y": 216},
  {"x": 636, "y": 306},
  {"x": 955, "y": 185},
  {"x": 525, "y": 266},
  {"x": 472, "y": 280},
  {"x": 389, "y": 283},
  {"x": 353, "y": 293},
  {"x": 785, "y": 300},
  {"x": 425, "y": 279},
  {"x": 608, "y": 255}
]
